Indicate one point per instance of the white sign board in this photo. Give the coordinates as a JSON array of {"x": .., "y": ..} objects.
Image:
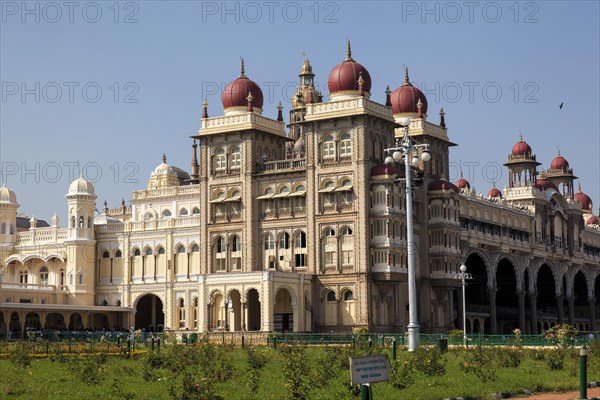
[{"x": 369, "y": 369}]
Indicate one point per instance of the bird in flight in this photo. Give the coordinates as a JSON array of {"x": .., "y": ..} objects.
[{"x": 561, "y": 105}]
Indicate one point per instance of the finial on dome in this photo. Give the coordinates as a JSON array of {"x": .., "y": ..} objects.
[
  {"x": 361, "y": 82},
  {"x": 579, "y": 187},
  {"x": 122, "y": 202},
  {"x": 204, "y": 108},
  {"x": 348, "y": 50},
  {"x": 443, "y": 119},
  {"x": 558, "y": 150},
  {"x": 164, "y": 158},
  {"x": 249, "y": 98},
  {"x": 406, "y": 80},
  {"x": 242, "y": 69},
  {"x": 279, "y": 112},
  {"x": 520, "y": 136},
  {"x": 388, "y": 100}
]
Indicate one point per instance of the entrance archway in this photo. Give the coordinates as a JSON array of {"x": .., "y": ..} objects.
[
  {"x": 55, "y": 321},
  {"x": 546, "y": 299},
  {"x": 75, "y": 322},
  {"x": 32, "y": 320},
  {"x": 253, "y": 311},
  {"x": 476, "y": 291},
  {"x": 580, "y": 297},
  {"x": 506, "y": 307},
  {"x": 100, "y": 321},
  {"x": 2, "y": 325},
  {"x": 149, "y": 314},
  {"x": 283, "y": 313}
]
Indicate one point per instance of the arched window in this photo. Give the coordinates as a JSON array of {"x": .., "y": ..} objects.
[
  {"x": 137, "y": 252},
  {"x": 328, "y": 147},
  {"x": 166, "y": 213},
  {"x": 345, "y": 145},
  {"x": 44, "y": 275},
  {"x": 61, "y": 281},
  {"x": 235, "y": 158},
  {"x": 195, "y": 211},
  {"x": 181, "y": 313},
  {"x": 348, "y": 310},
  {"x": 106, "y": 254},
  {"x": 331, "y": 308},
  {"x": 195, "y": 312},
  {"x": 220, "y": 160},
  {"x": 80, "y": 279},
  {"x": 81, "y": 222},
  {"x": 3, "y": 228},
  {"x": 180, "y": 249},
  {"x": 235, "y": 243},
  {"x": 195, "y": 249},
  {"x": 148, "y": 216},
  {"x": 12, "y": 229},
  {"x": 269, "y": 243},
  {"x": 299, "y": 197},
  {"x": 328, "y": 193},
  {"x": 161, "y": 250},
  {"x": 284, "y": 241},
  {"x": 119, "y": 254},
  {"x": 345, "y": 189},
  {"x": 329, "y": 232},
  {"x": 183, "y": 212},
  {"x": 148, "y": 251},
  {"x": 220, "y": 243},
  {"x": 23, "y": 277},
  {"x": 284, "y": 200},
  {"x": 301, "y": 240}
]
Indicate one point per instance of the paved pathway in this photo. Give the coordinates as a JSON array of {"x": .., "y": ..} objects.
[{"x": 592, "y": 393}]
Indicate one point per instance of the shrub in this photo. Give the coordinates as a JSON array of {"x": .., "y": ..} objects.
[
  {"x": 431, "y": 361},
  {"x": 555, "y": 359},
  {"x": 479, "y": 362},
  {"x": 507, "y": 357},
  {"x": 402, "y": 375},
  {"x": 562, "y": 335},
  {"x": 295, "y": 378},
  {"x": 256, "y": 358},
  {"x": 19, "y": 357}
]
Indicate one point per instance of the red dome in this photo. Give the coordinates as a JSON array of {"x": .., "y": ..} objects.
[
  {"x": 385, "y": 170},
  {"x": 559, "y": 163},
  {"x": 462, "y": 183},
  {"x": 345, "y": 76},
  {"x": 442, "y": 184},
  {"x": 495, "y": 192},
  {"x": 583, "y": 199},
  {"x": 544, "y": 184},
  {"x": 521, "y": 148},
  {"x": 593, "y": 220},
  {"x": 236, "y": 92},
  {"x": 406, "y": 97}
]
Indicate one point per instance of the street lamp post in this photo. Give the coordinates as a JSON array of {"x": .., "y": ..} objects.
[
  {"x": 463, "y": 277},
  {"x": 406, "y": 149}
]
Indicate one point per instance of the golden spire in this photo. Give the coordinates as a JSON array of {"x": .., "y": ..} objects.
[
  {"x": 520, "y": 136},
  {"x": 558, "y": 150},
  {"x": 406, "y": 80}
]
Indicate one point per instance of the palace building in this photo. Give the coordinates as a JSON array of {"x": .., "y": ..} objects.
[{"x": 302, "y": 227}]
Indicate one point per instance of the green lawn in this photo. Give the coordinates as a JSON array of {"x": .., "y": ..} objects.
[{"x": 213, "y": 372}]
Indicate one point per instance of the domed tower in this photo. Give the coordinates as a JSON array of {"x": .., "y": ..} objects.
[
  {"x": 522, "y": 165},
  {"x": 408, "y": 101},
  {"x": 349, "y": 79},
  {"x": 163, "y": 176},
  {"x": 584, "y": 200},
  {"x": 305, "y": 94},
  {"x": 81, "y": 243},
  {"x": 80, "y": 199},
  {"x": 560, "y": 173},
  {"x": 242, "y": 95},
  {"x": 8, "y": 217}
]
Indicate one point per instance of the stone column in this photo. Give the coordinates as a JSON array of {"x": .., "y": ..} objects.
[
  {"x": 532, "y": 300},
  {"x": 571, "y": 301},
  {"x": 493, "y": 324},
  {"x": 559, "y": 304},
  {"x": 592, "y": 314},
  {"x": 245, "y": 316},
  {"x": 521, "y": 300}
]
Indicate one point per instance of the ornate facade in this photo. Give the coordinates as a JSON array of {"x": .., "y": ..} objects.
[{"x": 303, "y": 228}]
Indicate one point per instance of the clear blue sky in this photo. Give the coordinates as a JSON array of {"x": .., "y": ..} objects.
[{"x": 169, "y": 55}]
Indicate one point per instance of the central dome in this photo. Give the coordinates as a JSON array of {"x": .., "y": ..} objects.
[
  {"x": 343, "y": 79},
  {"x": 559, "y": 163},
  {"x": 235, "y": 95},
  {"x": 521, "y": 148},
  {"x": 405, "y": 99}
]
